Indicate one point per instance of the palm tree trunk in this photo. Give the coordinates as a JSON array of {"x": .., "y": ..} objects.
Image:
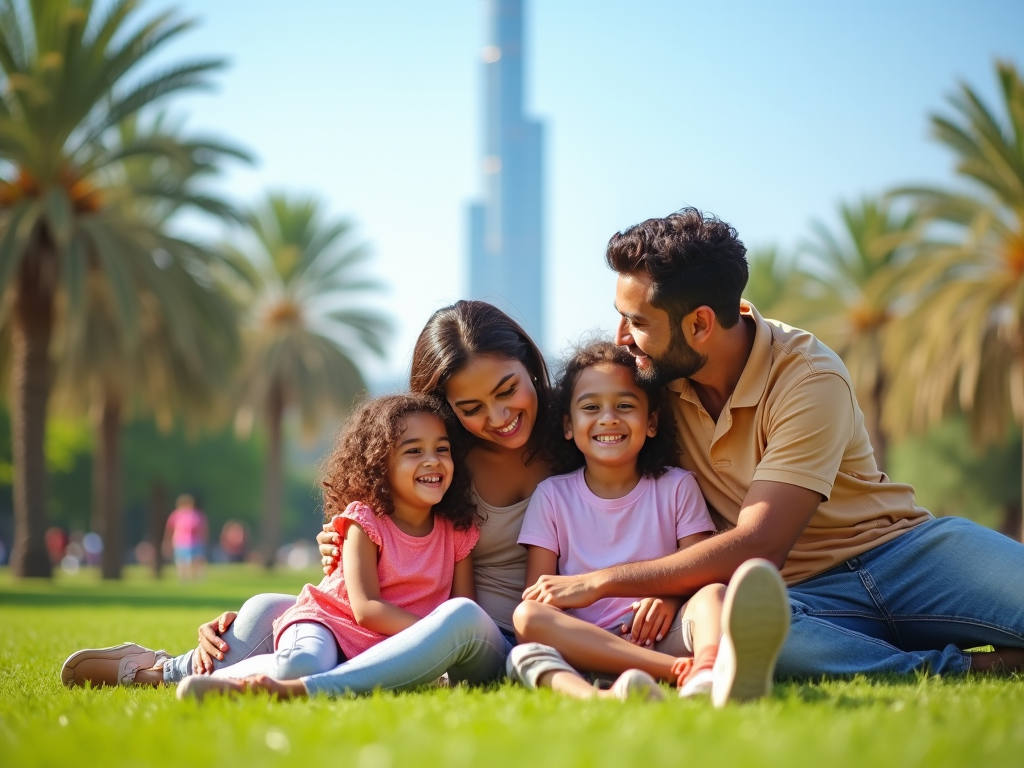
[
  {"x": 31, "y": 330},
  {"x": 157, "y": 520},
  {"x": 108, "y": 472},
  {"x": 1011, "y": 525},
  {"x": 271, "y": 529}
]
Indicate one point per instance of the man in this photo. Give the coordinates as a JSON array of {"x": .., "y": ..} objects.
[{"x": 769, "y": 422}]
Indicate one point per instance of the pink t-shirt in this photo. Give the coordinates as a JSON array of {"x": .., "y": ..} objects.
[
  {"x": 589, "y": 533},
  {"x": 188, "y": 527},
  {"x": 415, "y": 573}
]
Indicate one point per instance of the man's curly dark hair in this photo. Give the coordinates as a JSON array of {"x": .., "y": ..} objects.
[
  {"x": 658, "y": 452},
  {"x": 357, "y": 468},
  {"x": 694, "y": 259}
]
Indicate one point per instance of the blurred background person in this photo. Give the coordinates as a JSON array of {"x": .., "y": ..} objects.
[
  {"x": 233, "y": 539},
  {"x": 56, "y": 543},
  {"x": 186, "y": 533}
]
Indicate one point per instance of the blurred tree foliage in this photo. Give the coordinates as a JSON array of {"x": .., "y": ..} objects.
[
  {"x": 952, "y": 477},
  {"x": 223, "y": 472}
]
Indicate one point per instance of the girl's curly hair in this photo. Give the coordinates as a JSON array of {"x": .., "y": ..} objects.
[
  {"x": 658, "y": 452},
  {"x": 357, "y": 468}
]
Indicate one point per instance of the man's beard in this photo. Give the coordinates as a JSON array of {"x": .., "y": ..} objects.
[{"x": 681, "y": 361}]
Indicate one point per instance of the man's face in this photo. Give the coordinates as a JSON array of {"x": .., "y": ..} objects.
[{"x": 661, "y": 352}]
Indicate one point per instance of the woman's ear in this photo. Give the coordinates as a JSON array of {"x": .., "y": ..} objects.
[
  {"x": 652, "y": 424},
  {"x": 567, "y": 427}
]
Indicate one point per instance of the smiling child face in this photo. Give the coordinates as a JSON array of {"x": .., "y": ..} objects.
[
  {"x": 421, "y": 467},
  {"x": 609, "y": 417}
]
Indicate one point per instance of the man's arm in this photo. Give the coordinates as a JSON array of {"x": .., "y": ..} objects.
[{"x": 771, "y": 519}]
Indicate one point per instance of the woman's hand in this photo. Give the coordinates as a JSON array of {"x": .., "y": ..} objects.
[
  {"x": 211, "y": 646},
  {"x": 652, "y": 618},
  {"x": 330, "y": 548}
]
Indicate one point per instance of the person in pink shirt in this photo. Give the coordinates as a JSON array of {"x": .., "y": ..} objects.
[
  {"x": 407, "y": 523},
  {"x": 186, "y": 532},
  {"x": 623, "y": 502}
]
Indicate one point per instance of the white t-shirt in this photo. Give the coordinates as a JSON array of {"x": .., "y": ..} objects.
[{"x": 589, "y": 533}]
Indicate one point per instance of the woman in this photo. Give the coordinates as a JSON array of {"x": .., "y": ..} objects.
[{"x": 493, "y": 377}]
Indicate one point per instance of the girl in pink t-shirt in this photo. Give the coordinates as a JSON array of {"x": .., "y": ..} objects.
[
  {"x": 407, "y": 522},
  {"x": 620, "y": 502}
]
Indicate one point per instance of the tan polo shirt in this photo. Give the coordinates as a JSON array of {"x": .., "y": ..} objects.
[{"x": 793, "y": 418}]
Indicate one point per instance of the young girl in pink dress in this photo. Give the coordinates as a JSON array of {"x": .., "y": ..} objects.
[
  {"x": 407, "y": 523},
  {"x": 622, "y": 500}
]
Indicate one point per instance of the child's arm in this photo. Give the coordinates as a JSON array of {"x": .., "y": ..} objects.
[
  {"x": 463, "y": 583},
  {"x": 539, "y": 562},
  {"x": 359, "y": 565}
]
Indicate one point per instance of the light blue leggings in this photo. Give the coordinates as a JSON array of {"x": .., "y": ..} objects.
[
  {"x": 458, "y": 637},
  {"x": 304, "y": 648}
]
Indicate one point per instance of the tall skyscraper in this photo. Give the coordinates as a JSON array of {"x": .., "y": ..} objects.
[{"x": 506, "y": 229}]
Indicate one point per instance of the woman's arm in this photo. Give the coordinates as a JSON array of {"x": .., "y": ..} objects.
[
  {"x": 463, "y": 584},
  {"x": 359, "y": 563},
  {"x": 539, "y": 562}
]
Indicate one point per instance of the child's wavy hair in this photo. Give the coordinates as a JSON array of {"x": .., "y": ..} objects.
[
  {"x": 657, "y": 454},
  {"x": 358, "y": 466}
]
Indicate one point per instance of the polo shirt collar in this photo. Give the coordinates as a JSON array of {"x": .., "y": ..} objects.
[{"x": 754, "y": 378}]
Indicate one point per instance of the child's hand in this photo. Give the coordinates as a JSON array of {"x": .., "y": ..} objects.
[
  {"x": 330, "y": 548},
  {"x": 652, "y": 618}
]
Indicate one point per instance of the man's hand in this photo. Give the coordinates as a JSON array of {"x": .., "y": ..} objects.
[
  {"x": 652, "y": 618},
  {"x": 211, "y": 646},
  {"x": 564, "y": 591}
]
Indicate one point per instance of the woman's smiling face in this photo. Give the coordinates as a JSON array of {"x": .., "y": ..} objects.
[{"x": 495, "y": 399}]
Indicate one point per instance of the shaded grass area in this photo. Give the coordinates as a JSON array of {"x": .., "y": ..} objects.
[{"x": 906, "y": 722}]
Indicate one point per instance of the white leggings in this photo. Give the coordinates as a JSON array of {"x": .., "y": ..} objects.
[{"x": 305, "y": 648}]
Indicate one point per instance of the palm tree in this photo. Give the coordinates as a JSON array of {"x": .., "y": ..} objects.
[
  {"x": 184, "y": 345},
  {"x": 963, "y": 343},
  {"x": 850, "y": 295},
  {"x": 68, "y": 77},
  {"x": 775, "y": 283},
  {"x": 300, "y": 330}
]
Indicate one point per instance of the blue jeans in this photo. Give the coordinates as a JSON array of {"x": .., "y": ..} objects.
[
  {"x": 458, "y": 637},
  {"x": 911, "y": 604}
]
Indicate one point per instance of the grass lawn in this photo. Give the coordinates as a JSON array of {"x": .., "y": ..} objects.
[{"x": 910, "y": 722}]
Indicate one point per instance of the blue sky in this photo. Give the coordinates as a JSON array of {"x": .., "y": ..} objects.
[{"x": 766, "y": 114}]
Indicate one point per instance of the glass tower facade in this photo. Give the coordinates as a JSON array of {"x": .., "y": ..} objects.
[{"x": 506, "y": 228}]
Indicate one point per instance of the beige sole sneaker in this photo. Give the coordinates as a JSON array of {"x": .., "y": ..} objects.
[
  {"x": 116, "y": 665},
  {"x": 755, "y": 622}
]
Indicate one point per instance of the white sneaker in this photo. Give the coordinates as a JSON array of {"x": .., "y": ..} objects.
[
  {"x": 755, "y": 622},
  {"x": 116, "y": 665},
  {"x": 637, "y": 683},
  {"x": 698, "y": 685}
]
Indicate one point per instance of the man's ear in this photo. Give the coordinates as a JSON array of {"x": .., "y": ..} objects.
[
  {"x": 699, "y": 324},
  {"x": 567, "y": 427},
  {"x": 652, "y": 424}
]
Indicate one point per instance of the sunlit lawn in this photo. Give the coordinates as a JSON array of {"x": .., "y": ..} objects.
[{"x": 856, "y": 723}]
